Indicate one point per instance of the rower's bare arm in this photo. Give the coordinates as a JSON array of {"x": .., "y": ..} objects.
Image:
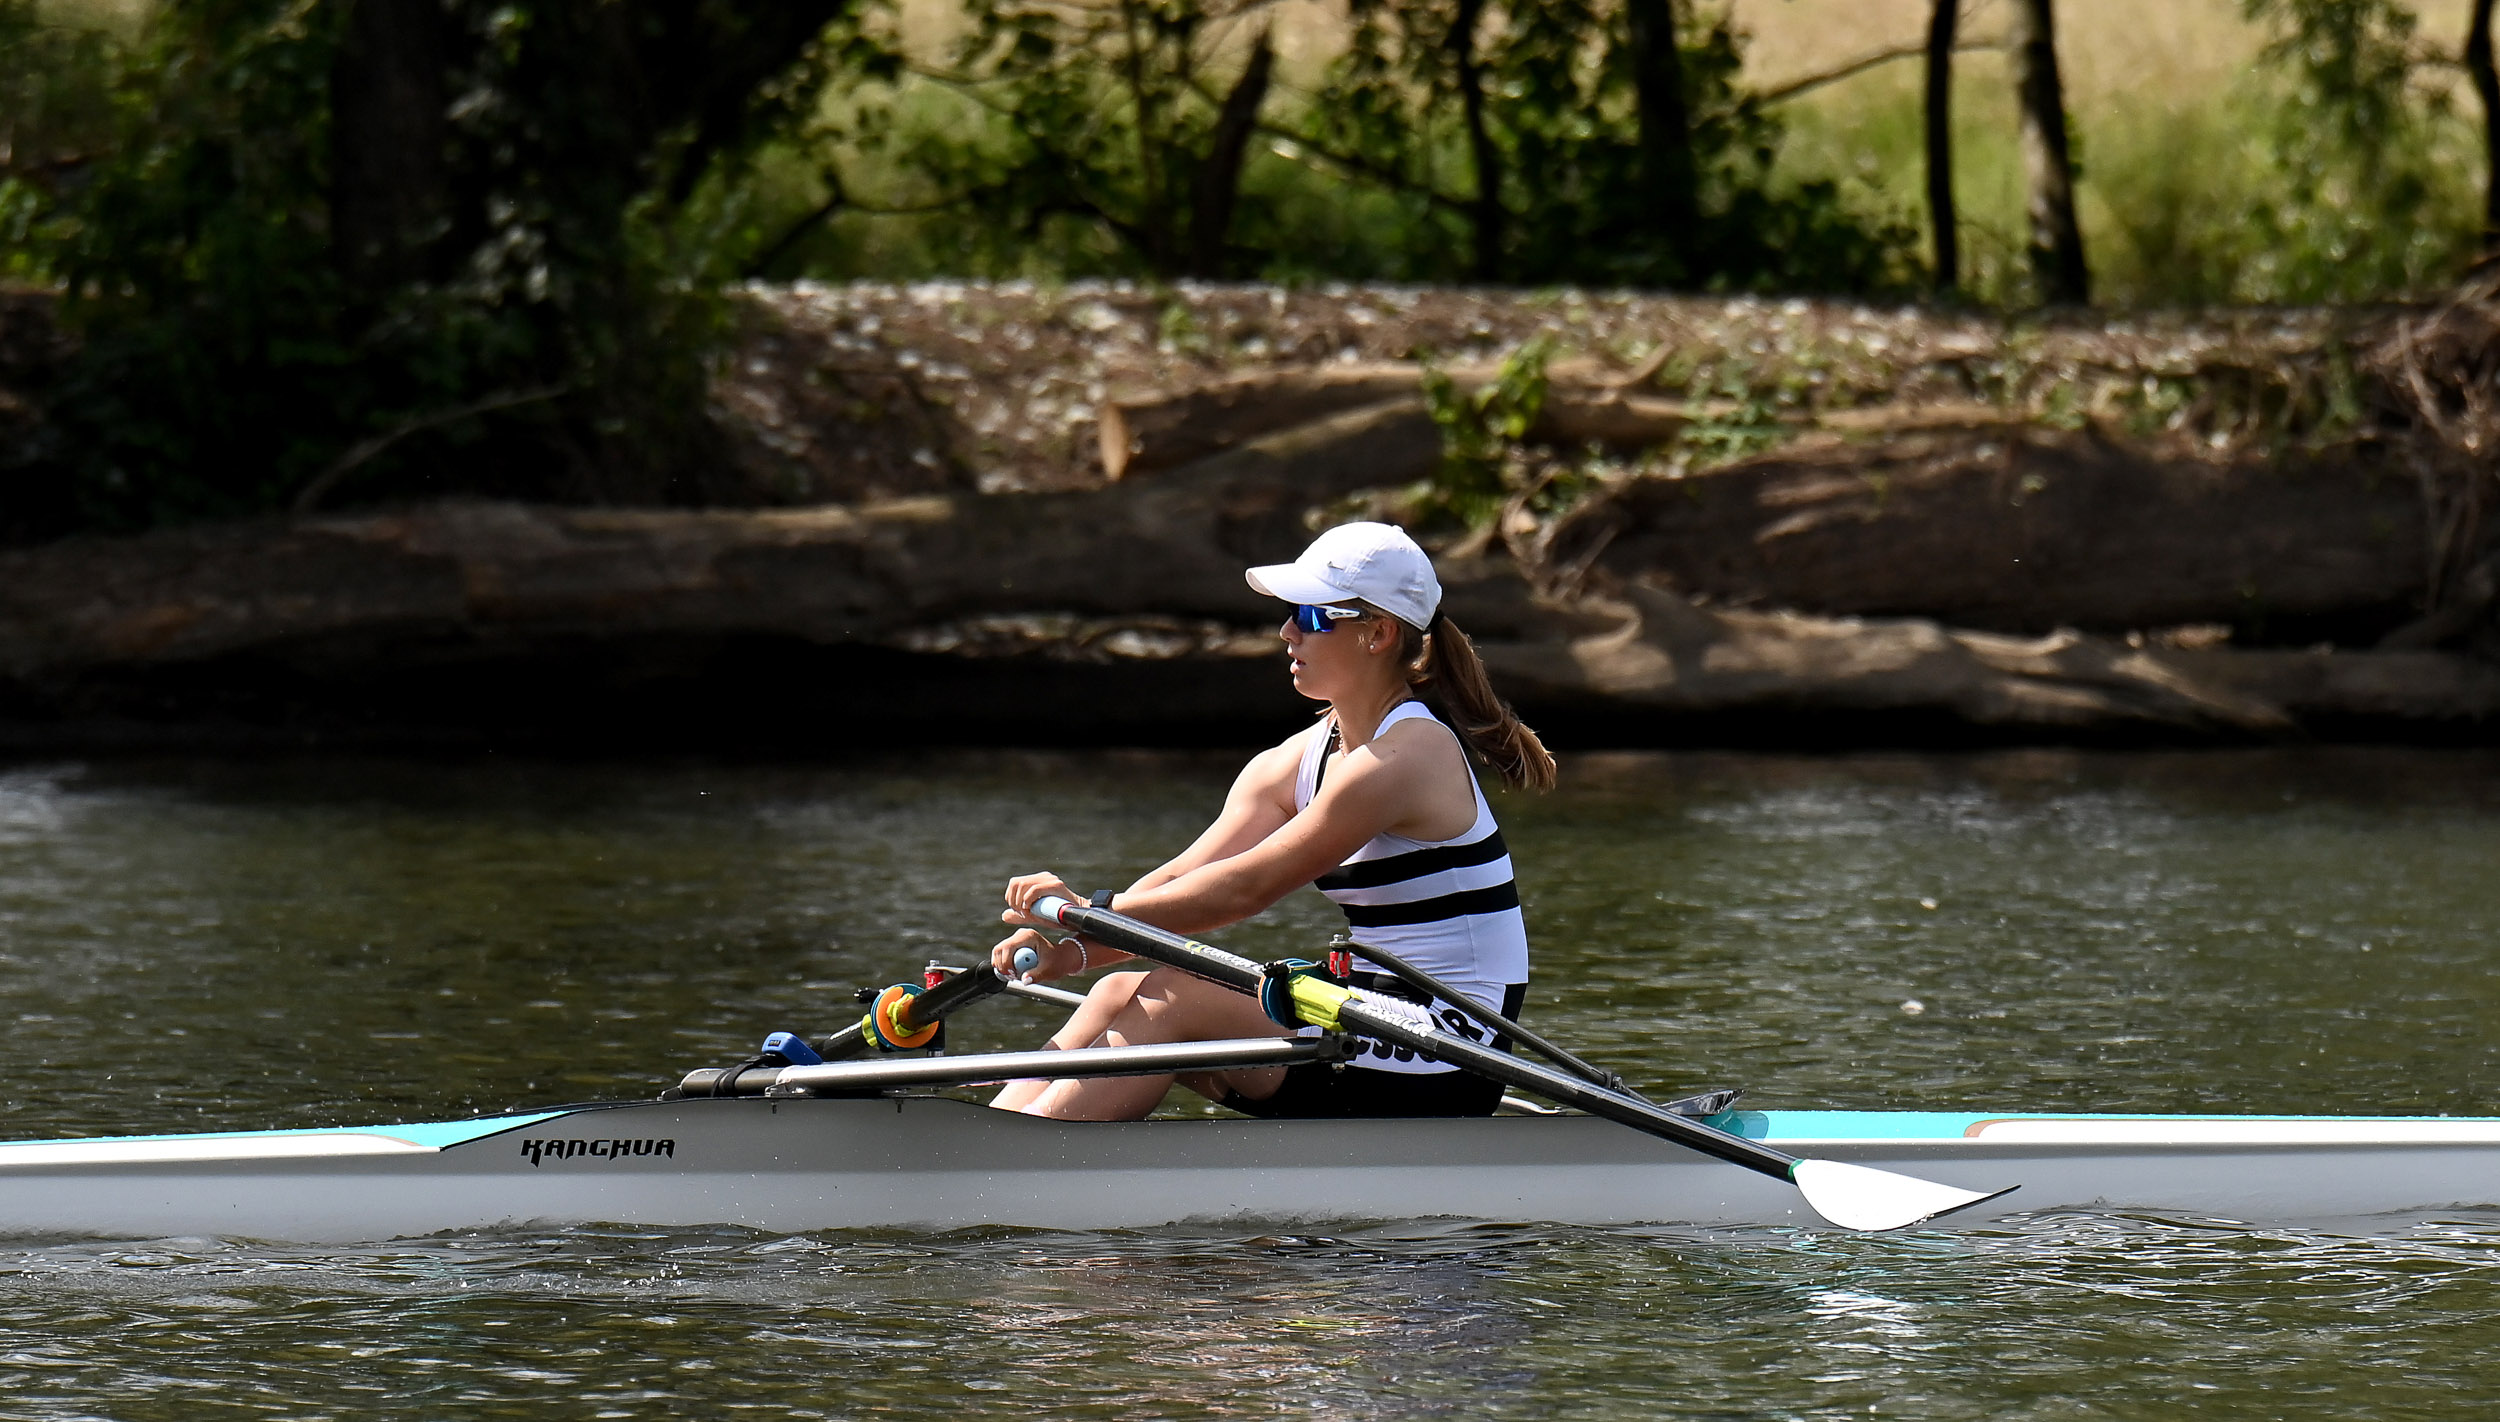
[
  {"x": 1259, "y": 803},
  {"x": 1366, "y": 794},
  {"x": 1261, "y": 800}
]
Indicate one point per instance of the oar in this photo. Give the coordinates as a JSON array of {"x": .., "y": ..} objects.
[{"x": 1851, "y": 1196}]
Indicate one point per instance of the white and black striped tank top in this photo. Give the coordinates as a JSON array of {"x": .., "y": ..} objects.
[{"x": 1450, "y": 907}]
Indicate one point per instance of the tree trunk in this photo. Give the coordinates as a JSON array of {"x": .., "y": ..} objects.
[
  {"x": 1666, "y": 128},
  {"x": 2056, "y": 239},
  {"x": 1155, "y": 223},
  {"x": 1218, "y": 183},
  {"x": 2478, "y": 63},
  {"x": 1940, "y": 145},
  {"x": 1488, "y": 212},
  {"x": 390, "y": 179}
]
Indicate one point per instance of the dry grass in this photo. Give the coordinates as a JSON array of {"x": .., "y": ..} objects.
[
  {"x": 2109, "y": 50},
  {"x": 2169, "y": 112},
  {"x": 119, "y": 17},
  {"x": 1308, "y": 34}
]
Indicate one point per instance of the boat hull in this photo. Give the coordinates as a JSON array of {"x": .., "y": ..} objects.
[{"x": 928, "y": 1162}]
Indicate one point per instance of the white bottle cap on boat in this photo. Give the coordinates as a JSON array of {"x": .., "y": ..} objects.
[{"x": 1375, "y": 562}]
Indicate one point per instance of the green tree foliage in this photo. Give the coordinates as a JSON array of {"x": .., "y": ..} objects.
[
  {"x": 1117, "y": 115},
  {"x": 410, "y": 247},
  {"x": 1556, "y": 128},
  {"x": 1088, "y": 130},
  {"x": 1480, "y": 434},
  {"x": 56, "y": 114},
  {"x": 2363, "y": 197}
]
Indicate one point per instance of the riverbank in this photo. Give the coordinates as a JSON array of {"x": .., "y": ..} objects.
[
  {"x": 994, "y": 620},
  {"x": 1014, "y": 515}
]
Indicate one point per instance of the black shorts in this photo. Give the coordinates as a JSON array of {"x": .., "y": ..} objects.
[{"x": 1322, "y": 1089}]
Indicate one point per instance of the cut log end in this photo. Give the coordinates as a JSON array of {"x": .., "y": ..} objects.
[{"x": 1112, "y": 432}]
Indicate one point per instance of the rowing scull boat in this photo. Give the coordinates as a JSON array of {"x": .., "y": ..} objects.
[
  {"x": 797, "y": 1139},
  {"x": 912, "y": 1160}
]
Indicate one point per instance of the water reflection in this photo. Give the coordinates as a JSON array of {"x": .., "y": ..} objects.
[{"x": 2047, "y": 1318}]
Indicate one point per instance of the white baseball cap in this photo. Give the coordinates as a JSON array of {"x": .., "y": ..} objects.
[{"x": 1375, "y": 562}]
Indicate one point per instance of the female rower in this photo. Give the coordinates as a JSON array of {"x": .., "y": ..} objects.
[{"x": 1376, "y": 804}]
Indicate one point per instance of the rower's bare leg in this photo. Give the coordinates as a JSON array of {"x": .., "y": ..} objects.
[
  {"x": 1141, "y": 1009},
  {"x": 1106, "y": 1000}
]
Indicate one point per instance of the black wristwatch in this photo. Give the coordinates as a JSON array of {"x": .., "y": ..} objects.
[{"x": 1100, "y": 898}]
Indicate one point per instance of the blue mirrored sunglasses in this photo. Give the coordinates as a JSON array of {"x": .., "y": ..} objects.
[{"x": 1319, "y": 616}]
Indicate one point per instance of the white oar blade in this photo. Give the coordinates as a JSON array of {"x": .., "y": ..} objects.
[{"x": 1864, "y": 1198}]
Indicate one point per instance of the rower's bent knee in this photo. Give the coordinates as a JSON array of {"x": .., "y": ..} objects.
[
  {"x": 1166, "y": 983},
  {"x": 1115, "y": 990}
]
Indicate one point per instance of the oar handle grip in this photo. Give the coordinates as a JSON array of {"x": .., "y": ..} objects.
[{"x": 1051, "y": 907}]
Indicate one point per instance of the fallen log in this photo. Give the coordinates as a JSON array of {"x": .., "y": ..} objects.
[
  {"x": 1146, "y": 433},
  {"x": 1616, "y": 419},
  {"x": 1668, "y": 654},
  {"x": 1676, "y": 667},
  {"x": 1625, "y": 423},
  {"x": 461, "y": 576},
  {"x": 2025, "y": 531},
  {"x": 1156, "y": 432},
  {"x": 1118, "y": 617}
]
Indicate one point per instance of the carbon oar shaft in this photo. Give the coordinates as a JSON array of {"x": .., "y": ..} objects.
[{"x": 1383, "y": 1018}]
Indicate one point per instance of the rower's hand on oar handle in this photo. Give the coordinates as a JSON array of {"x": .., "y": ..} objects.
[
  {"x": 1027, "y": 956},
  {"x": 1026, "y": 890}
]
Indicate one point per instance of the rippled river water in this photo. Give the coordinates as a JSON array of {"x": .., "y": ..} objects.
[{"x": 195, "y": 945}]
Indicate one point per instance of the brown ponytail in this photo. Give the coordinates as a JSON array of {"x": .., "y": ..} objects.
[{"x": 1443, "y": 668}]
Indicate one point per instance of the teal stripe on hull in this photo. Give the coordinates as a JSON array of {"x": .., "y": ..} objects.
[
  {"x": 437, "y": 1135},
  {"x": 1954, "y": 1125},
  {"x": 444, "y": 1134},
  {"x": 1849, "y": 1125}
]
